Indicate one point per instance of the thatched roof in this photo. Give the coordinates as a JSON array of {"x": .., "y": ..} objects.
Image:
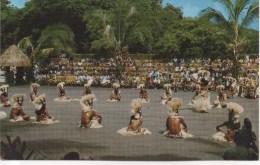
[{"x": 13, "y": 56}]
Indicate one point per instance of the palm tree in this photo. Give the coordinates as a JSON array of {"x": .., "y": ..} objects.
[
  {"x": 53, "y": 37},
  {"x": 122, "y": 25},
  {"x": 241, "y": 13},
  {"x": 27, "y": 46}
]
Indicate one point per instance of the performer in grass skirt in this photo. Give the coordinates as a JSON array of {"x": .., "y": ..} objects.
[
  {"x": 231, "y": 86},
  {"x": 116, "y": 93},
  {"x": 17, "y": 111},
  {"x": 221, "y": 101},
  {"x": 232, "y": 125},
  {"x": 62, "y": 93},
  {"x": 201, "y": 101},
  {"x": 34, "y": 91},
  {"x": 167, "y": 95},
  {"x": 88, "y": 91},
  {"x": 43, "y": 116},
  {"x": 143, "y": 94},
  {"x": 136, "y": 120},
  {"x": 4, "y": 96},
  {"x": 175, "y": 124},
  {"x": 89, "y": 116}
]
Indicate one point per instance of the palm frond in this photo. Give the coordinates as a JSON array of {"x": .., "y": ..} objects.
[
  {"x": 213, "y": 15},
  {"x": 46, "y": 51},
  {"x": 29, "y": 155},
  {"x": 228, "y": 6},
  {"x": 26, "y": 44},
  {"x": 251, "y": 15},
  {"x": 239, "y": 7}
]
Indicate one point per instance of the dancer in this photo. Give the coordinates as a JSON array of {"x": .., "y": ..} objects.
[
  {"x": 87, "y": 90},
  {"x": 4, "y": 96},
  {"x": 17, "y": 111},
  {"x": 221, "y": 101},
  {"x": 175, "y": 122},
  {"x": 116, "y": 93},
  {"x": 201, "y": 100},
  {"x": 136, "y": 120},
  {"x": 232, "y": 125},
  {"x": 89, "y": 117},
  {"x": 143, "y": 95},
  {"x": 34, "y": 89},
  {"x": 43, "y": 116},
  {"x": 231, "y": 86},
  {"x": 167, "y": 95},
  {"x": 62, "y": 93}
]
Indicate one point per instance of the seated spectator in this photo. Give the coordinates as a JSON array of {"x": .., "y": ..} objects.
[{"x": 239, "y": 151}]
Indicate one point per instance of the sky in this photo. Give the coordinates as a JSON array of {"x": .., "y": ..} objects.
[{"x": 191, "y": 8}]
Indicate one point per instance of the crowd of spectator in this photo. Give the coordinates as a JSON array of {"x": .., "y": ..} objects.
[{"x": 130, "y": 72}]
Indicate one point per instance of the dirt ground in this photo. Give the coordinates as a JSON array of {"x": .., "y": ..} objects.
[{"x": 56, "y": 140}]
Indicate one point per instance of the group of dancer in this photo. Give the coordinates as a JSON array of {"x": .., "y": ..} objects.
[
  {"x": 17, "y": 112},
  {"x": 176, "y": 126}
]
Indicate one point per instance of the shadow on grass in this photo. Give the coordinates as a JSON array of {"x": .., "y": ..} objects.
[{"x": 162, "y": 157}]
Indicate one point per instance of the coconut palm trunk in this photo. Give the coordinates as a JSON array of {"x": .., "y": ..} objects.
[{"x": 238, "y": 14}]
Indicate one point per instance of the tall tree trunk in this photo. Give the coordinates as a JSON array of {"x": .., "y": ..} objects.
[{"x": 236, "y": 42}]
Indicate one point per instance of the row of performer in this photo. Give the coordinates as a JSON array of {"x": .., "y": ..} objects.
[{"x": 176, "y": 126}]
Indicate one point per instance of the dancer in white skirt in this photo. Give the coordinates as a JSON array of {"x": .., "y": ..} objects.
[
  {"x": 89, "y": 117},
  {"x": 175, "y": 124},
  {"x": 167, "y": 95},
  {"x": 34, "y": 91},
  {"x": 232, "y": 125},
  {"x": 62, "y": 93},
  {"x": 4, "y": 102},
  {"x": 136, "y": 120},
  {"x": 201, "y": 101},
  {"x": 116, "y": 93},
  {"x": 143, "y": 94},
  {"x": 42, "y": 114},
  {"x": 221, "y": 101},
  {"x": 87, "y": 90}
]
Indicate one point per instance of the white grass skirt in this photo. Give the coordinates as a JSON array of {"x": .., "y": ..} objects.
[
  {"x": 183, "y": 134},
  {"x": 2, "y": 115},
  {"x": 46, "y": 122},
  {"x": 124, "y": 132}
]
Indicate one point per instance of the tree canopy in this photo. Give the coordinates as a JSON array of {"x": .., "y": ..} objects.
[{"x": 97, "y": 26}]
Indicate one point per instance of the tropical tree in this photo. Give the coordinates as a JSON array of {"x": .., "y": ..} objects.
[
  {"x": 55, "y": 37},
  {"x": 32, "y": 50},
  {"x": 128, "y": 23},
  {"x": 240, "y": 14}
]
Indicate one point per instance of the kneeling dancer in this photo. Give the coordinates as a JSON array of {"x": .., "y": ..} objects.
[
  {"x": 221, "y": 101},
  {"x": 175, "y": 122},
  {"x": 34, "y": 89},
  {"x": 116, "y": 93},
  {"x": 4, "y": 96},
  {"x": 167, "y": 95},
  {"x": 143, "y": 95},
  {"x": 17, "y": 112},
  {"x": 89, "y": 117},
  {"x": 136, "y": 120},
  {"x": 232, "y": 124},
  {"x": 62, "y": 93},
  {"x": 43, "y": 116}
]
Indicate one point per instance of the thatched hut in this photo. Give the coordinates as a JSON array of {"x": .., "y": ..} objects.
[{"x": 13, "y": 56}]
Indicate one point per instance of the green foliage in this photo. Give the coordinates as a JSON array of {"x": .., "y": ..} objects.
[
  {"x": 57, "y": 36},
  {"x": 236, "y": 19},
  {"x": 143, "y": 27}
]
